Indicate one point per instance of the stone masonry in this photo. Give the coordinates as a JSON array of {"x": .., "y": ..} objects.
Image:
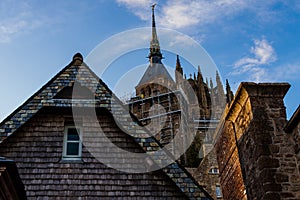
[{"x": 257, "y": 158}]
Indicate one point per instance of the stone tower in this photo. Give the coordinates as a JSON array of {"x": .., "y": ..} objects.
[
  {"x": 157, "y": 103},
  {"x": 160, "y": 105},
  {"x": 156, "y": 79}
]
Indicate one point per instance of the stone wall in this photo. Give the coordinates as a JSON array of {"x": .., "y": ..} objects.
[
  {"x": 229, "y": 165},
  {"x": 207, "y": 174},
  {"x": 253, "y": 151}
]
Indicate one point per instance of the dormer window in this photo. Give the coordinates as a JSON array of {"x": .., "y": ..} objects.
[{"x": 72, "y": 143}]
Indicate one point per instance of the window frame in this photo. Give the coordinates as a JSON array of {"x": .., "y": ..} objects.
[
  {"x": 218, "y": 191},
  {"x": 66, "y": 141},
  {"x": 214, "y": 170}
]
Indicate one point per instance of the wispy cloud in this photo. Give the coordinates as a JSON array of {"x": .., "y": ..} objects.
[
  {"x": 18, "y": 17},
  {"x": 184, "y": 13},
  {"x": 189, "y": 13},
  {"x": 261, "y": 55},
  {"x": 139, "y": 7},
  {"x": 284, "y": 72}
]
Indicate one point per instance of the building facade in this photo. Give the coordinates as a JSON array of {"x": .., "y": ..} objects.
[
  {"x": 53, "y": 150},
  {"x": 190, "y": 107}
]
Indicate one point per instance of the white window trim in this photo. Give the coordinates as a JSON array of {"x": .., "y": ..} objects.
[
  {"x": 214, "y": 171},
  {"x": 72, "y": 157}
]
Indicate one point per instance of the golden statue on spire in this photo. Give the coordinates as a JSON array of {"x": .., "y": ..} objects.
[{"x": 153, "y": 6}]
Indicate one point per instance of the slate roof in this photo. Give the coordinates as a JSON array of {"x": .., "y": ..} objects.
[
  {"x": 154, "y": 71},
  {"x": 45, "y": 98}
]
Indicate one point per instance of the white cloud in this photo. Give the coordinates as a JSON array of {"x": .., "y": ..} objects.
[
  {"x": 18, "y": 17},
  {"x": 140, "y": 8},
  {"x": 174, "y": 13},
  {"x": 284, "y": 72},
  {"x": 262, "y": 54},
  {"x": 134, "y": 3},
  {"x": 187, "y": 13},
  {"x": 12, "y": 19},
  {"x": 180, "y": 14}
]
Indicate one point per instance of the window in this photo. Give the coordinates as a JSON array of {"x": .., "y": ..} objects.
[
  {"x": 214, "y": 171},
  {"x": 218, "y": 191},
  {"x": 72, "y": 143}
]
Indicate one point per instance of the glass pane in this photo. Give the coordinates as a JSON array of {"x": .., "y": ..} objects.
[
  {"x": 72, "y": 149},
  {"x": 218, "y": 191},
  {"x": 73, "y": 134}
]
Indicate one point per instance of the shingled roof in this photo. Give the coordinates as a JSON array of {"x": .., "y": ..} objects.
[
  {"x": 153, "y": 72},
  {"x": 104, "y": 99}
]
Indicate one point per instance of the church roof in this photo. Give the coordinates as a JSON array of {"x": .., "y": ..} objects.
[
  {"x": 154, "y": 71},
  {"x": 105, "y": 99}
]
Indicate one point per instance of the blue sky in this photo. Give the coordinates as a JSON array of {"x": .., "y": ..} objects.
[{"x": 248, "y": 40}]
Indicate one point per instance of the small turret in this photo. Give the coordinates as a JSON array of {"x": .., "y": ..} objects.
[
  {"x": 199, "y": 75},
  {"x": 229, "y": 93},
  {"x": 220, "y": 89},
  {"x": 178, "y": 71},
  {"x": 211, "y": 84}
]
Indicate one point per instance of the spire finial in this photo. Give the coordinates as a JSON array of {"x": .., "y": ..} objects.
[
  {"x": 77, "y": 59},
  {"x": 199, "y": 75},
  {"x": 178, "y": 65},
  {"x": 155, "y": 55},
  {"x": 178, "y": 70},
  {"x": 153, "y": 6}
]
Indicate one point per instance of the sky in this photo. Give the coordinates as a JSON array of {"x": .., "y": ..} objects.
[{"x": 247, "y": 40}]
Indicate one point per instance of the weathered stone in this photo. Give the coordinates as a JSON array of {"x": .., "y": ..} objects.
[
  {"x": 280, "y": 178},
  {"x": 271, "y": 196},
  {"x": 266, "y": 154},
  {"x": 272, "y": 187},
  {"x": 267, "y": 162}
]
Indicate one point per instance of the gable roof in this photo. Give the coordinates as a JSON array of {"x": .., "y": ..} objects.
[
  {"x": 45, "y": 95},
  {"x": 105, "y": 99}
]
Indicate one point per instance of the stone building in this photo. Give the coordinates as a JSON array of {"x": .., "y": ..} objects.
[
  {"x": 191, "y": 107},
  {"x": 54, "y": 150},
  {"x": 257, "y": 148}
]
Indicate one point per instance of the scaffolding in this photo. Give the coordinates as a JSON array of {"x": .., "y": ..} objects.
[{"x": 163, "y": 111}]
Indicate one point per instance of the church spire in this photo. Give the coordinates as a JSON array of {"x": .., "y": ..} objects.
[
  {"x": 178, "y": 65},
  {"x": 155, "y": 55},
  {"x": 199, "y": 75},
  {"x": 178, "y": 71}
]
